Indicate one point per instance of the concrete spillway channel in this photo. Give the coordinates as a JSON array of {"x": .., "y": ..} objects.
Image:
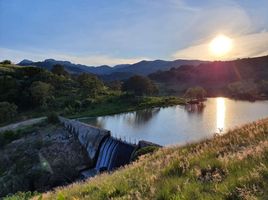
[{"x": 106, "y": 152}]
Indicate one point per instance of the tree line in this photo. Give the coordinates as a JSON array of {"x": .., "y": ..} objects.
[{"x": 31, "y": 88}]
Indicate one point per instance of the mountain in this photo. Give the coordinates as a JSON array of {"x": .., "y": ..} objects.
[
  {"x": 70, "y": 67},
  {"x": 147, "y": 67},
  {"x": 215, "y": 76},
  {"x": 116, "y": 76},
  {"x": 122, "y": 71},
  {"x": 26, "y": 62}
]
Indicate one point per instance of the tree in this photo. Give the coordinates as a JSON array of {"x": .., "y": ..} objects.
[
  {"x": 59, "y": 70},
  {"x": 90, "y": 85},
  {"x": 140, "y": 85},
  {"x": 40, "y": 92},
  {"x": 115, "y": 85},
  {"x": 6, "y": 62},
  {"x": 263, "y": 87},
  {"x": 243, "y": 89},
  {"x": 7, "y": 111},
  {"x": 196, "y": 93},
  {"x": 8, "y": 89}
]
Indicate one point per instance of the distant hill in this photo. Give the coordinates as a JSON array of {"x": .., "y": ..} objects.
[
  {"x": 116, "y": 76},
  {"x": 70, "y": 67},
  {"x": 122, "y": 71},
  {"x": 147, "y": 67},
  {"x": 214, "y": 76}
]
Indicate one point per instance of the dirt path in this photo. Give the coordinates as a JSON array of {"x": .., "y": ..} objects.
[{"x": 22, "y": 124}]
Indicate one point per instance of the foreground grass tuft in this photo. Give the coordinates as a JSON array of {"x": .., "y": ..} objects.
[{"x": 232, "y": 166}]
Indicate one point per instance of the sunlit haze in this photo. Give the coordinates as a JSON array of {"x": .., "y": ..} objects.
[{"x": 221, "y": 45}]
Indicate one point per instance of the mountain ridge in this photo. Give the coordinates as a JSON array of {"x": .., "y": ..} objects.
[{"x": 143, "y": 67}]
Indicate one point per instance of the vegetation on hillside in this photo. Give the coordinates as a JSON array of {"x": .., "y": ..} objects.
[
  {"x": 242, "y": 78},
  {"x": 231, "y": 166},
  {"x": 196, "y": 93},
  {"x": 30, "y": 92}
]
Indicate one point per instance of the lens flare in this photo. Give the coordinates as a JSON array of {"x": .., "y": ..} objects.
[{"x": 221, "y": 45}]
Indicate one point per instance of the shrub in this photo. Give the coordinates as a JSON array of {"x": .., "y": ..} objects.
[
  {"x": 7, "y": 111},
  {"x": 77, "y": 105},
  {"x": 40, "y": 93},
  {"x": 6, "y": 62},
  {"x": 196, "y": 93},
  {"x": 87, "y": 102},
  {"x": 143, "y": 151},
  {"x": 7, "y": 136},
  {"x": 53, "y": 118}
]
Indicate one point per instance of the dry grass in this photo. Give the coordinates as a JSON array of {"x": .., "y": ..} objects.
[{"x": 232, "y": 166}]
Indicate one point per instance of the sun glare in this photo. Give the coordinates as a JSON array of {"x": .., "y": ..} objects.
[
  {"x": 221, "y": 45},
  {"x": 220, "y": 113}
]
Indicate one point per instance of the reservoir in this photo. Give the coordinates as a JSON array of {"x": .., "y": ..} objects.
[{"x": 182, "y": 124}]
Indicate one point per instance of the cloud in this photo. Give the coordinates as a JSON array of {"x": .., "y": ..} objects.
[
  {"x": 250, "y": 45},
  {"x": 17, "y": 56}
]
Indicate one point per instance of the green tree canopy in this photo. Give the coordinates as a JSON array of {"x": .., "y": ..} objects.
[
  {"x": 6, "y": 62},
  {"x": 90, "y": 85},
  {"x": 196, "y": 93},
  {"x": 140, "y": 85},
  {"x": 7, "y": 111},
  {"x": 40, "y": 92},
  {"x": 115, "y": 85},
  {"x": 59, "y": 70},
  {"x": 243, "y": 89}
]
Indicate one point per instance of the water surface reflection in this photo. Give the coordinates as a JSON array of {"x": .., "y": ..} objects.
[
  {"x": 220, "y": 113},
  {"x": 179, "y": 124}
]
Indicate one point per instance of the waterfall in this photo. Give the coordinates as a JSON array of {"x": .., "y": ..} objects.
[
  {"x": 113, "y": 153},
  {"x": 106, "y": 151}
]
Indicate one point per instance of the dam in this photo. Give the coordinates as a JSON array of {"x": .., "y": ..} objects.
[{"x": 106, "y": 152}]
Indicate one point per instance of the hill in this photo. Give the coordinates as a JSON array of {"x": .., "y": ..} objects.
[
  {"x": 125, "y": 70},
  {"x": 243, "y": 74},
  {"x": 231, "y": 166},
  {"x": 70, "y": 67}
]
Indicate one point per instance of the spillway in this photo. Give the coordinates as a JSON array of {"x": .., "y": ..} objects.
[
  {"x": 114, "y": 153},
  {"x": 105, "y": 151}
]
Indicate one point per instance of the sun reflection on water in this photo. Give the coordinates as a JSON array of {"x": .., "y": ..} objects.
[{"x": 220, "y": 114}]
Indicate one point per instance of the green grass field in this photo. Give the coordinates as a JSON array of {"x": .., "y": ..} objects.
[
  {"x": 232, "y": 166},
  {"x": 117, "y": 104}
]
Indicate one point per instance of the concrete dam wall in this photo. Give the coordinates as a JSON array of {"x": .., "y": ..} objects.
[{"x": 105, "y": 151}]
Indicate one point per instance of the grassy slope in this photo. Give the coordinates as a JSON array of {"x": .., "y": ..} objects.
[
  {"x": 114, "y": 105},
  {"x": 233, "y": 166}
]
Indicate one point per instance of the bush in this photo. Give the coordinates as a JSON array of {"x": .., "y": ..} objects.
[
  {"x": 7, "y": 111},
  {"x": 6, "y": 62},
  {"x": 143, "y": 151},
  {"x": 7, "y": 136},
  {"x": 77, "y": 105},
  {"x": 87, "y": 102},
  {"x": 53, "y": 118},
  {"x": 196, "y": 93}
]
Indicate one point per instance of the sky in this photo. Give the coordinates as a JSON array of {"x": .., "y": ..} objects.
[{"x": 95, "y": 32}]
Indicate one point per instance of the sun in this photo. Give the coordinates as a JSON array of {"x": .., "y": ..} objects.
[{"x": 221, "y": 45}]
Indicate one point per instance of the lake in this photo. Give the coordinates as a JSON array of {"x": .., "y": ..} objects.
[{"x": 182, "y": 124}]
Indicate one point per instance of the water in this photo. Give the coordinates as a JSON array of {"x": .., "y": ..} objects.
[{"x": 181, "y": 124}]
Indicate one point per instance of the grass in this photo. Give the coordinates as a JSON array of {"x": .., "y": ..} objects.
[
  {"x": 11, "y": 135},
  {"x": 118, "y": 104},
  {"x": 232, "y": 166}
]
